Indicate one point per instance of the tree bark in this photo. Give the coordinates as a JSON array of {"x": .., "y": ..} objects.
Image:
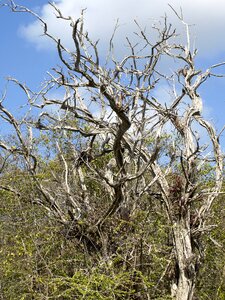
[{"x": 183, "y": 289}]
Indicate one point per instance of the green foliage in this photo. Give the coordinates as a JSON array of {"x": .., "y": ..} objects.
[
  {"x": 40, "y": 259},
  {"x": 38, "y": 262},
  {"x": 211, "y": 284}
]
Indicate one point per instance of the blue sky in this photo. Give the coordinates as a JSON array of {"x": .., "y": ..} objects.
[{"x": 26, "y": 56}]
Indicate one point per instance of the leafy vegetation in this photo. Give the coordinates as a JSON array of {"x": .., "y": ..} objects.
[{"x": 41, "y": 259}]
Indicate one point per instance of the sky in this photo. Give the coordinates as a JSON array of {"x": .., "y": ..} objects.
[{"x": 27, "y": 56}]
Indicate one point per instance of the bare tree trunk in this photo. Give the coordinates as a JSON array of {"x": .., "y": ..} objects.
[{"x": 184, "y": 287}]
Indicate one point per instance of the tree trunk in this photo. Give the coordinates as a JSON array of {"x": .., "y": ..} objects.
[{"x": 183, "y": 288}]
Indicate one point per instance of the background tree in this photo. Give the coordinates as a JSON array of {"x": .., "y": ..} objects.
[{"x": 113, "y": 155}]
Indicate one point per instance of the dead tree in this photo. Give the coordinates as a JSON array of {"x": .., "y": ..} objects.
[{"x": 120, "y": 115}]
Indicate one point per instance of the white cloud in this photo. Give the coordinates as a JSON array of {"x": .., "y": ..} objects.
[{"x": 207, "y": 15}]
